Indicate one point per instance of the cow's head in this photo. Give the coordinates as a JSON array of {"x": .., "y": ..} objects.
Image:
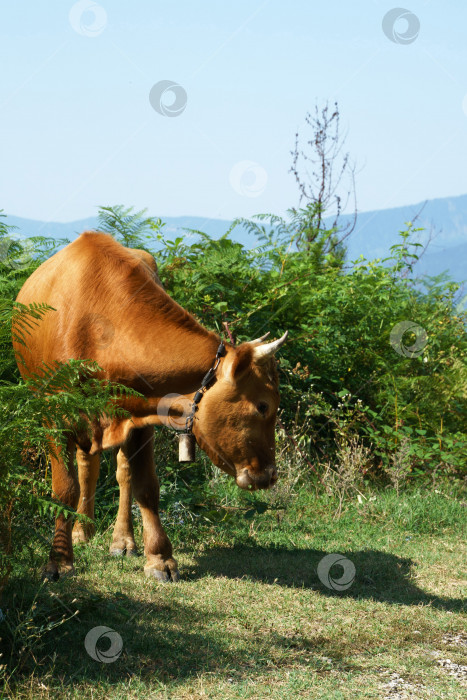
[{"x": 235, "y": 420}]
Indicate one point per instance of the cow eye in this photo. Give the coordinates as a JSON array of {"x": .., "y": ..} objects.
[{"x": 262, "y": 407}]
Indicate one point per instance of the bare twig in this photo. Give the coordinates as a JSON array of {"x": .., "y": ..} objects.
[{"x": 323, "y": 171}]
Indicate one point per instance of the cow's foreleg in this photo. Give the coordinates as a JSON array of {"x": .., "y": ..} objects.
[
  {"x": 88, "y": 472},
  {"x": 65, "y": 487},
  {"x": 123, "y": 537},
  {"x": 145, "y": 486}
]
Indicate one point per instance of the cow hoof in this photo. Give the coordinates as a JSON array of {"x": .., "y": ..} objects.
[
  {"x": 119, "y": 552},
  {"x": 82, "y": 535},
  {"x": 50, "y": 574},
  {"x": 77, "y": 540},
  {"x": 161, "y": 568},
  {"x": 79, "y": 537},
  {"x": 158, "y": 575},
  {"x": 166, "y": 576},
  {"x": 53, "y": 572},
  {"x": 122, "y": 545}
]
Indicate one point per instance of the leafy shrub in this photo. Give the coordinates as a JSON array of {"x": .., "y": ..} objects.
[{"x": 342, "y": 366}]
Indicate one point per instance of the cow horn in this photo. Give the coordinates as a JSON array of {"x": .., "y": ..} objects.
[
  {"x": 260, "y": 340},
  {"x": 263, "y": 352}
]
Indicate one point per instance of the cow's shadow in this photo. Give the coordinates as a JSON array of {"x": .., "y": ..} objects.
[
  {"x": 375, "y": 575},
  {"x": 163, "y": 636}
]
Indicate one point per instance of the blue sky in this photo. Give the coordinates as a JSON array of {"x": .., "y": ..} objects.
[{"x": 78, "y": 129}]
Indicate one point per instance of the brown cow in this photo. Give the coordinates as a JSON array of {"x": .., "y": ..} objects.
[{"x": 111, "y": 308}]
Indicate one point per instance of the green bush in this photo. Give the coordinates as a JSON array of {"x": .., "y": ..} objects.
[{"x": 348, "y": 366}]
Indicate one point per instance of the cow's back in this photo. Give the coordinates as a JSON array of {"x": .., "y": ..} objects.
[{"x": 78, "y": 282}]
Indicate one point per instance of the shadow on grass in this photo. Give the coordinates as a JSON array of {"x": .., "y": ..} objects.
[
  {"x": 163, "y": 642},
  {"x": 378, "y": 575},
  {"x": 168, "y": 639}
]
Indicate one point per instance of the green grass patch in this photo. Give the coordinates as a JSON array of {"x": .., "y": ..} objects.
[{"x": 251, "y": 617}]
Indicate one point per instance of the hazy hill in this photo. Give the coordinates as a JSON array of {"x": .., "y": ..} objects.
[
  {"x": 445, "y": 220},
  {"x": 174, "y": 226}
]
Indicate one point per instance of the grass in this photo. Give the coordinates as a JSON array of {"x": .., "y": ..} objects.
[{"x": 251, "y": 618}]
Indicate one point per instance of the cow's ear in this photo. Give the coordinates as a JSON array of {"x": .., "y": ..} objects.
[{"x": 237, "y": 362}]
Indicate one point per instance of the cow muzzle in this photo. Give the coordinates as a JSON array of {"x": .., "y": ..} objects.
[{"x": 252, "y": 481}]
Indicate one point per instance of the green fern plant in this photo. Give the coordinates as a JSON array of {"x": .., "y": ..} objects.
[{"x": 131, "y": 228}]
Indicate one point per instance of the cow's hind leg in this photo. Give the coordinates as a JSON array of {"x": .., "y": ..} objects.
[
  {"x": 88, "y": 472},
  {"x": 123, "y": 538},
  {"x": 145, "y": 486},
  {"x": 65, "y": 487}
]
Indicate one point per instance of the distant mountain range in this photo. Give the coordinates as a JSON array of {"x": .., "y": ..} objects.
[
  {"x": 445, "y": 230},
  {"x": 444, "y": 220}
]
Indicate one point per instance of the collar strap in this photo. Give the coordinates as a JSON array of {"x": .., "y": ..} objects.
[{"x": 207, "y": 379}]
